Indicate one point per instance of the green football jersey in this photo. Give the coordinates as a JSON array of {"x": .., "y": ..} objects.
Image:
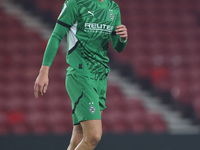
[{"x": 91, "y": 24}]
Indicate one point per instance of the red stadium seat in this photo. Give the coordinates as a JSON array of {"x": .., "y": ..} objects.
[
  {"x": 37, "y": 122},
  {"x": 138, "y": 121},
  {"x": 60, "y": 122},
  {"x": 156, "y": 123},
  {"x": 20, "y": 129}
]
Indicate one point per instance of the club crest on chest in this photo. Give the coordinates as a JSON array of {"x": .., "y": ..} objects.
[{"x": 112, "y": 15}]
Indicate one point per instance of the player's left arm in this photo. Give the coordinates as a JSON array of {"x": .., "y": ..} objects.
[{"x": 119, "y": 36}]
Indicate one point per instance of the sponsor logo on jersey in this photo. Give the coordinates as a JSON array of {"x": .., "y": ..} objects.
[{"x": 95, "y": 27}]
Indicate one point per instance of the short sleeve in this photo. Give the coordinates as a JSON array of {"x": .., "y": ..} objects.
[{"x": 69, "y": 13}]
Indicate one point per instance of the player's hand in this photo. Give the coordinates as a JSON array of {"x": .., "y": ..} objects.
[
  {"x": 122, "y": 31},
  {"x": 41, "y": 82}
]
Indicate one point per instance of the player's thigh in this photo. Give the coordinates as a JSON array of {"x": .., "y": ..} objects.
[
  {"x": 77, "y": 133},
  {"x": 92, "y": 129}
]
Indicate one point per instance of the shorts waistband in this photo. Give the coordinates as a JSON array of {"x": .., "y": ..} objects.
[{"x": 92, "y": 76}]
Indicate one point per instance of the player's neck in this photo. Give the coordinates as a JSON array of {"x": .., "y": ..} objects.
[{"x": 101, "y": 0}]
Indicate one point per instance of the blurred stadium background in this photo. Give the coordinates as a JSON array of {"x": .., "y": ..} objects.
[{"x": 153, "y": 96}]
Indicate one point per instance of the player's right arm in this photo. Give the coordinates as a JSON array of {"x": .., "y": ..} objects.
[
  {"x": 65, "y": 20},
  {"x": 41, "y": 82}
]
